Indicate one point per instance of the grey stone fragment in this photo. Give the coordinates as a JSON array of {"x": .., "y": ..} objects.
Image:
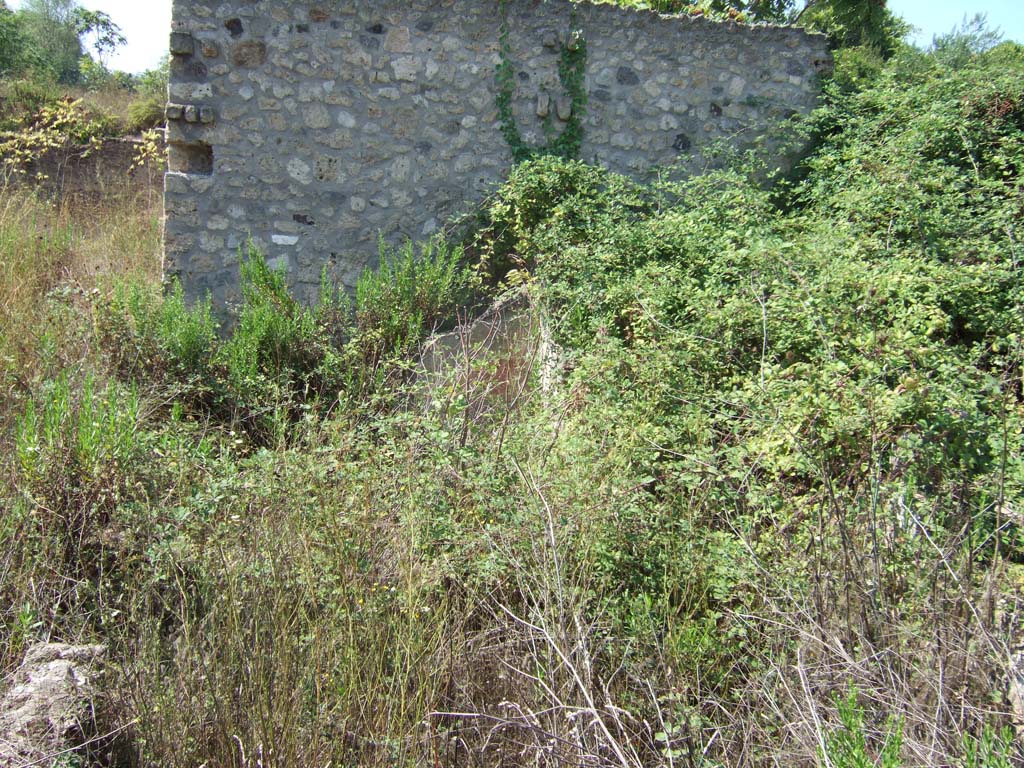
[
  {"x": 47, "y": 710},
  {"x": 191, "y": 113},
  {"x": 206, "y": 115},
  {"x": 182, "y": 44},
  {"x": 626, "y": 76},
  {"x": 250, "y": 53},
  {"x": 543, "y": 105},
  {"x": 175, "y": 111},
  {"x": 563, "y": 107}
]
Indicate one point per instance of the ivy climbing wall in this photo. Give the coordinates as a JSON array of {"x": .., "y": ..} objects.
[{"x": 316, "y": 128}]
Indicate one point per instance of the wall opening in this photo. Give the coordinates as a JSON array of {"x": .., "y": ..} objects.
[{"x": 194, "y": 158}]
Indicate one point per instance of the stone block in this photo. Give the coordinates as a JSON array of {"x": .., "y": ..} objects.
[
  {"x": 543, "y": 105},
  {"x": 250, "y": 53},
  {"x": 182, "y": 44},
  {"x": 49, "y": 708}
]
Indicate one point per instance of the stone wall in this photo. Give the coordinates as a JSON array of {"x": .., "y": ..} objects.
[{"x": 317, "y": 126}]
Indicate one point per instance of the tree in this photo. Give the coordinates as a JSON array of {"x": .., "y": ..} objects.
[
  {"x": 12, "y": 42},
  {"x": 52, "y": 34},
  {"x": 957, "y": 48},
  {"x": 56, "y": 33},
  {"x": 853, "y": 23},
  {"x": 97, "y": 26}
]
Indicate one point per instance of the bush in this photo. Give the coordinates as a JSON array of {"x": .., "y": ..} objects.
[
  {"x": 847, "y": 747},
  {"x": 145, "y": 113},
  {"x": 280, "y": 357},
  {"x": 160, "y": 338},
  {"x": 24, "y": 97},
  {"x": 76, "y": 449},
  {"x": 548, "y": 189},
  {"x": 409, "y": 296},
  {"x": 64, "y": 125}
]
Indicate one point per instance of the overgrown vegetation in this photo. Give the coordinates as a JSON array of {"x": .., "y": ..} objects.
[
  {"x": 761, "y": 508},
  {"x": 53, "y": 54},
  {"x": 850, "y": 23}
]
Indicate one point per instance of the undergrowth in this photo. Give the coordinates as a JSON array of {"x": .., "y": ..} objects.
[{"x": 744, "y": 491}]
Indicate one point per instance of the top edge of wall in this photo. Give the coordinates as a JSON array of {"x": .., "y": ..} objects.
[
  {"x": 604, "y": 8},
  {"x": 696, "y": 19}
]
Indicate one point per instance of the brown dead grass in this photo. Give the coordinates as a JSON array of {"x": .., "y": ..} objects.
[{"x": 55, "y": 258}]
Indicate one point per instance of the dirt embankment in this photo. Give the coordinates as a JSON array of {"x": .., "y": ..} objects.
[{"x": 77, "y": 171}]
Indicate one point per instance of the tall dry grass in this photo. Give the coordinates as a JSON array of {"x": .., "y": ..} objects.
[{"x": 55, "y": 257}]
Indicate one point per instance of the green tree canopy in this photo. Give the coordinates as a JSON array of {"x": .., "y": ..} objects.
[
  {"x": 98, "y": 28},
  {"x": 52, "y": 34},
  {"x": 12, "y": 42}
]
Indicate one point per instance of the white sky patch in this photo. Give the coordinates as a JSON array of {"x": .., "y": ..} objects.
[{"x": 145, "y": 23}]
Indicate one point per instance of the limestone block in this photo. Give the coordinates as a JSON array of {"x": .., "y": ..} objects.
[
  {"x": 543, "y": 105},
  {"x": 316, "y": 117},
  {"x": 249, "y": 53},
  {"x": 406, "y": 68},
  {"x": 47, "y": 711},
  {"x": 398, "y": 40},
  {"x": 182, "y": 44},
  {"x": 563, "y": 107}
]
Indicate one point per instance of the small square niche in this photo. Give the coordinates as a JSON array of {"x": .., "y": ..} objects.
[{"x": 195, "y": 158}]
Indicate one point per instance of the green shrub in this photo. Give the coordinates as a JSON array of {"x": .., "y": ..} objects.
[
  {"x": 281, "y": 356},
  {"x": 409, "y": 296},
  {"x": 83, "y": 434},
  {"x": 847, "y": 746},
  {"x": 145, "y": 113},
  {"x": 993, "y": 749},
  {"x": 850, "y": 746},
  {"x": 75, "y": 452},
  {"x": 25, "y": 97},
  {"x": 555, "y": 191},
  {"x": 147, "y": 334},
  {"x": 282, "y": 359}
]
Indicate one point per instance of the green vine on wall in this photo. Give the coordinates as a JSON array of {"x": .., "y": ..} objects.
[{"x": 572, "y": 65}]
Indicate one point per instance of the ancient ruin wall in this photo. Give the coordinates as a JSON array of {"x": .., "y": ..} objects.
[{"x": 315, "y": 127}]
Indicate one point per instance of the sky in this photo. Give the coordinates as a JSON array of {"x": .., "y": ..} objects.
[
  {"x": 937, "y": 17},
  {"x": 146, "y": 23}
]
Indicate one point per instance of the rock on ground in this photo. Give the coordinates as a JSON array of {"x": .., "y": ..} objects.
[{"x": 48, "y": 709}]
